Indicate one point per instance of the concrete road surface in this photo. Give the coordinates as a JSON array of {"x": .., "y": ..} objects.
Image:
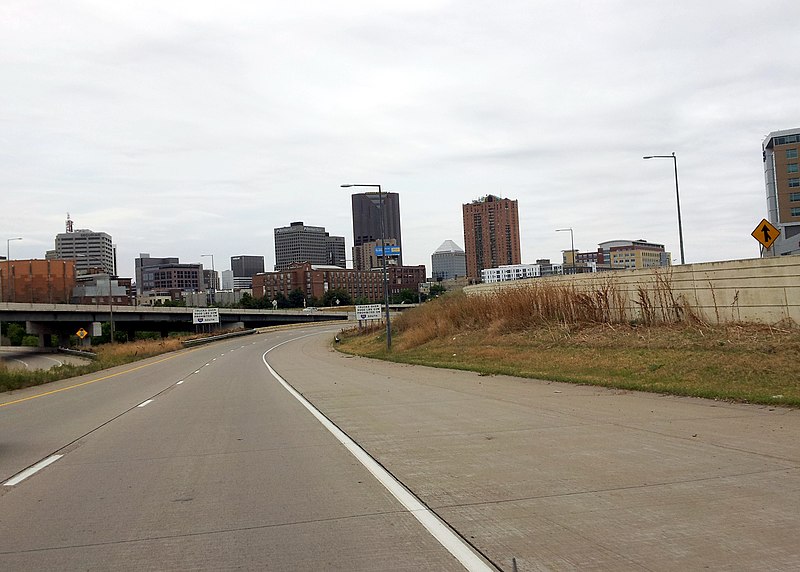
[
  {"x": 30, "y": 358},
  {"x": 566, "y": 477},
  {"x": 225, "y": 469}
]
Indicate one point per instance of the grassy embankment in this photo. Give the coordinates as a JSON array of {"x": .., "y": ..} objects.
[
  {"x": 108, "y": 355},
  {"x": 555, "y": 333}
]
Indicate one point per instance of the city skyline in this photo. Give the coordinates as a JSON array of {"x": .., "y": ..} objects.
[{"x": 200, "y": 135}]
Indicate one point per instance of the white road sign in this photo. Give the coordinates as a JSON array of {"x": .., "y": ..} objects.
[
  {"x": 205, "y": 316},
  {"x": 368, "y": 312}
]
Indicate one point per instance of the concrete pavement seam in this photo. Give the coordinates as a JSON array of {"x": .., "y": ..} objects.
[{"x": 456, "y": 544}]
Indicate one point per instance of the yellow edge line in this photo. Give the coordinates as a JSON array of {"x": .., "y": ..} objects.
[{"x": 91, "y": 380}]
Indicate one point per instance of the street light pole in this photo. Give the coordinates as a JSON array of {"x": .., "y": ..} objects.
[
  {"x": 677, "y": 196},
  {"x": 8, "y": 246},
  {"x": 213, "y": 278},
  {"x": 572, "y": 245},
  {"x": 8, "y": 272},
  {"x": 383, "y": 257}
]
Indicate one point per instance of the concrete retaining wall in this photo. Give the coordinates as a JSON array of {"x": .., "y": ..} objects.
[{"x": 755, "y": 290}]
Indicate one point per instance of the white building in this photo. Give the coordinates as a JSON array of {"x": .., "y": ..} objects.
[{"x": 517, "y": 272}]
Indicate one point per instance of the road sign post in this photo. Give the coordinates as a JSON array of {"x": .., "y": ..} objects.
[
  {"x": 766, "y": 233},
  {"x": 205, "y": 316},
  {"x": 366, "y": 312}
]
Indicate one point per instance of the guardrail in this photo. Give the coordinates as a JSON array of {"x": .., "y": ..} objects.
[{"x": 200, "y": 341}]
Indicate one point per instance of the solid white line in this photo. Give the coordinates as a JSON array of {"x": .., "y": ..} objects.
[
  {"x": 18, "y": 478},
  {"x": 20, "y": 361},
  {"x": 59, "y": 362},
  {"x": 432, "y": 523},
  {"x": 145, "y": 403}
]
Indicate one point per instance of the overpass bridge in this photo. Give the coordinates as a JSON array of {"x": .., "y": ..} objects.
[{"x": 64, "y": 320}]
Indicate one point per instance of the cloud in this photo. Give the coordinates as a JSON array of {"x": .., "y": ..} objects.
[{"x": 186, "y": 128}]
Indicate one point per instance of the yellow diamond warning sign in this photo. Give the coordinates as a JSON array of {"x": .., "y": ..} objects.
[{"x": 765, "y": 233}]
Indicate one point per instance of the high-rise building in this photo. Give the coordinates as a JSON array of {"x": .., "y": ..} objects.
[
  {"x": 367, "y": 220},
  {"x": 146, "y": 264},
  {"x": 227, "y": 280},
  {"x": 335, "y": 251},
  {"x": 364, "y": 257},
  {"x": 491, "y": 234},
  {"x": 244, "y": 267},
  {"x": 91, "y": 251},
  {"x": 300, "y": 243},
  {"x": 782, "y": 178},
  {"x": 448, "y": 262}
]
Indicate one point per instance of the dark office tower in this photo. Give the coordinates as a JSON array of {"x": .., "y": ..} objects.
[
  {"x": 491, "y": 234},
  {"x": 367, "y": 220},
  {"x": 301, "y": 243},
  {"x": 244, "y": 268}
]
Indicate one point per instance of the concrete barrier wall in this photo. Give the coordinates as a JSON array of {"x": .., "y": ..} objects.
[{"x": 755, "y": 290}]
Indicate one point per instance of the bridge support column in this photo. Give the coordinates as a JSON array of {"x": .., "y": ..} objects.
[{"x": 43, "y": 331}]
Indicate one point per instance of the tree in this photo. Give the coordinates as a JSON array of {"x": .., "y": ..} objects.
[
  {"x": 405, "y": 296},
  {"x": 296, "y": 298},
  {"x": 330, "y": 297},
  {"x": 15, "y": 333}
]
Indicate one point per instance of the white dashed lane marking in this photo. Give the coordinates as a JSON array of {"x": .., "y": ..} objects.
[{"x": 19, "y": 477}]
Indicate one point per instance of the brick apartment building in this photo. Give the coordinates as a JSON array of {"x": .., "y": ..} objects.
[
  {"x": 315, "y": 280},
  {"x": 491, "y": 234}
]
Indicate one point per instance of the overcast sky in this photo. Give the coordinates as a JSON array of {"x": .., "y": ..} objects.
[{"x": 187, "y": 128}]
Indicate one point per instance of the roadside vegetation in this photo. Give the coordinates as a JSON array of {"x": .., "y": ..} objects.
[
  {"x": 107, "y": 355},
  {"x": 556, "y": 333}
]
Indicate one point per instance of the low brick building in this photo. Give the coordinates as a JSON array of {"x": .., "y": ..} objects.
[
  {"x": 37, "y": 281},
  {"x": 314, "y": 281}
]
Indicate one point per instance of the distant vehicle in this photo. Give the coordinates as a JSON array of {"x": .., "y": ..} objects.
[{"x": 310, "y": 309}]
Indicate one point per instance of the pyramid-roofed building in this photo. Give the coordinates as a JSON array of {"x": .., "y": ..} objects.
[
  {"x": 448, "y": 246},
  {"x": 448, "y": 261}
]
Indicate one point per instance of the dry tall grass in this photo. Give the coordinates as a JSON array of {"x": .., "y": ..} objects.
[{"x": 532, "y": 305}]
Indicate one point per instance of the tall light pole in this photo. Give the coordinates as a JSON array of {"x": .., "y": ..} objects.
[
  {"x": 8, "y": 266},
  {"x": 8, "y": 246},
  {"x": 383, "y": 257},
  {"x": 572, "y": 245},
  {"x": 677, "y": 196},
  {"x": 213, "y": 278}
]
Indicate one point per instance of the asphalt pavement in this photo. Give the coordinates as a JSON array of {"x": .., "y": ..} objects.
[{"x": 202, "y": 459}]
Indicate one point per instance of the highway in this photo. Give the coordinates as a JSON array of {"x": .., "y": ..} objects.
[{"x": 211, "y": 458}]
